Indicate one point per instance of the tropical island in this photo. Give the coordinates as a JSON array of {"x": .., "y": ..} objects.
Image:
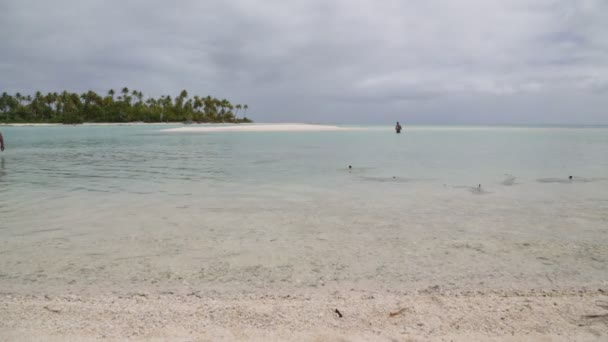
[{"x": 126, "y": 106}]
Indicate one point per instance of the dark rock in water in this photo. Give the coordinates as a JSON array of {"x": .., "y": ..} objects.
[
  {"x": 510, "y": 180},
  {"x": 477, "y": 190}
]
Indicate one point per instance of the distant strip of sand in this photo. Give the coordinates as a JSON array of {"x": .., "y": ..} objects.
[{"x": 259, "y": 128}]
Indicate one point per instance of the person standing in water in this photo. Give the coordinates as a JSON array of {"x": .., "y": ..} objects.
[
  {"x": 1, "y": 142},
  {"x": 398, "y": 128}
]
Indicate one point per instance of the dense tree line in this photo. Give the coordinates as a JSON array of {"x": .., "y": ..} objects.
[{"x": 126, "y": 106}]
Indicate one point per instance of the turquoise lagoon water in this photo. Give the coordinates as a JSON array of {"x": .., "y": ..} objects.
[{"x": 98, "y": 208}]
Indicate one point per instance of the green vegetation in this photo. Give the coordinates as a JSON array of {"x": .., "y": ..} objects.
[{"x": 127, "y": 106}]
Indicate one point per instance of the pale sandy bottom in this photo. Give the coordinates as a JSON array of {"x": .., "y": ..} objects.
[
  {"x": 430, "y": 315},
  {"x": 259, "y": 128}
]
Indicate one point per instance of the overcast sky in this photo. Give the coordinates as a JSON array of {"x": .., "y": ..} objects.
[{"x": 342, "y": 61}]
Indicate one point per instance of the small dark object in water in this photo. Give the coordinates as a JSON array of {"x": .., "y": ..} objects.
[
  {"x": 398, "y": 127},
  {"x": 509, "y": 181},
  {"x": 350, "y": 166},
  {"x": 570, "y": 178},
  {"x": 338, "y": 312}
]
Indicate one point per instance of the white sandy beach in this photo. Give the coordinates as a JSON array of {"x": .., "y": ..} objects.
[
  {"x": 209, "y": 127},
  {"x": 365, "y": 316},
  {"x": 283, "y": 127}
]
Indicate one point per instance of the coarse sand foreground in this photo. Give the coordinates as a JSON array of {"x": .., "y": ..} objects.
[
  {"x": 260, "y": 128},
  {"x": 425, "y": 316}
]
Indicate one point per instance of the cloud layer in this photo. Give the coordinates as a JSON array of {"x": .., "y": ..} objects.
[{"x": 431, "y": 61}]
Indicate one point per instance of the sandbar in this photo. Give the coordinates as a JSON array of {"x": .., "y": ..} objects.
[{"x": 289, "y": 127}]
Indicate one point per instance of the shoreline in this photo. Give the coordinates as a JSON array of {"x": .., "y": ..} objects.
[
  {"x": 89, "y": 124},
  {"x": 194, "y": 127},
  {"x": 285, "y": 127},
  {"x": 366, "y": 316},
  {"x": 178, "y": 127}
]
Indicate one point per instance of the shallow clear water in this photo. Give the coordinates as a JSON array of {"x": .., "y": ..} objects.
[{"x": 117, "y": 208}]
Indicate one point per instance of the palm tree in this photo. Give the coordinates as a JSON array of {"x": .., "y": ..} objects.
[
  {"x": 36, "y": 105},
  {"x": 188, "y": 112},
  {"x": 196, "y": 106},
  {"x": 229, "y": 108},
  {"x": 167, "y": 104},
  {"x": 18, "y": 97},
  {"x": 183, "y": 94},
  {"x": 151, "y": 109},
  {"x": 5, "y": 104},
  {"x": 125, "y": 96}
]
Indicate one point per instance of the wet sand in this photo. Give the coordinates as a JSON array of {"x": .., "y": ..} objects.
[{"x": 167, "y": 279}]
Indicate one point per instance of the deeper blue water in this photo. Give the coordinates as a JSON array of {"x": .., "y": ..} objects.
[{"x": 131, "y": 156}]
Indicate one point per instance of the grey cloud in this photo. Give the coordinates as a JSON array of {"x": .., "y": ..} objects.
[
  {"x": 384, "y": 97},
  {"x": 336, "y": 61}
]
